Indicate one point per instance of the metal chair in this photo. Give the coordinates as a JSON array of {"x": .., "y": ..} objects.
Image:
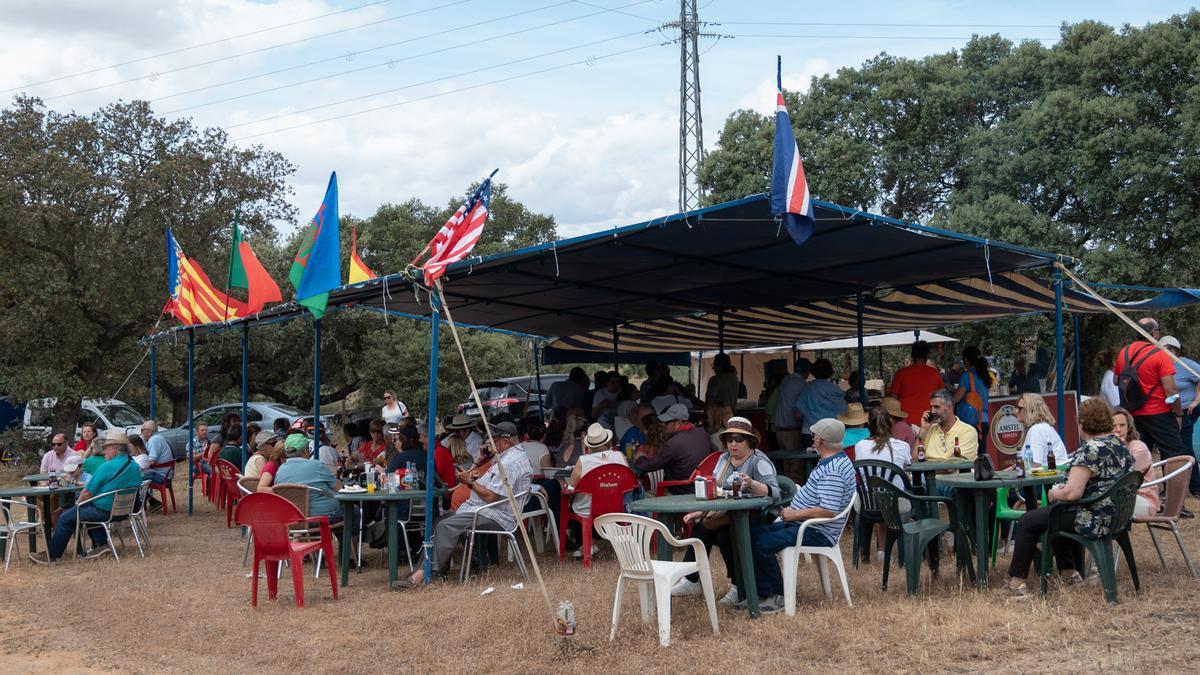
[
  {"x": 1176, "y": 471},
  {"x": 137, "y": 521},
  {"x": 11, "y": 529},
  {"x": 122, "y": 506},
  {"x": 476, "y": 529}
]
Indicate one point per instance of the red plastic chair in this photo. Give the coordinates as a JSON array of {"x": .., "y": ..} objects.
[
  {"x": 228, "y": 494},
  {"x": 270, "y": 518},
  {"x": 608, "y": 486},
  {"x": 705, "y": 468},
  {"x": 167, "y": 487}
]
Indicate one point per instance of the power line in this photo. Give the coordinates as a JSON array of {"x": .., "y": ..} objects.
[
  {"x": 589, "y": 61},
  {"x": 156, "y": 75},
  {"x": 389, "y": 63},
  {"x": 876, "y": 37},
  {"x": 898, "y": 25},
  {"x": 197, "y": 46},
  {"x": 433, "y": 81},
  {"x": 617, "y": 10}
]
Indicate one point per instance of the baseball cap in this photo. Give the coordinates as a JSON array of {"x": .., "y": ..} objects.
[
  {"x": 504, "y": 430},
  {"x": 74, "y": 461},
  {"x": 1170, "y": 341},
  {"x": 676, "y": 412},
  {"x": 830, "y": 430},
  {"x": 264, "y": 437},
  {"x": 296, "y": 443}
]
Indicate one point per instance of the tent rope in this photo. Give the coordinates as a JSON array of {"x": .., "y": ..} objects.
[{"x": 508, "y": 492}]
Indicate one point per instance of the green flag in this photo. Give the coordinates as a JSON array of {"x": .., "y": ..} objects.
[{"x": 237, "y": 269}]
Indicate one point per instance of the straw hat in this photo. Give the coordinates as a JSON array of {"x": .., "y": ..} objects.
[
  {"x": 460, "y": 421},
  {"x": 113, "y": 437},
  {"x": 854, "y": 415},
  {"x": 892, "y": 405},
  {"x": 739, "y": 425},
  {"x": 598, "y": 437}
]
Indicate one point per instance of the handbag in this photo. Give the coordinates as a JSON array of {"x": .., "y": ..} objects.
[{"x": 982, "y": 469}]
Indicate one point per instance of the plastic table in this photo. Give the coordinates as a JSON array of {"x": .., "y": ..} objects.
[
  {"x": 739, "y": 519},
  {"x": 562, "y": 472},
  {"x": 927, "y": 470},
  {"x": 392, "y": 501},
  {"x": 807, "y": 458},
  {"x": 35, "y": 478},
  {"x": 972, "y": 495},
  {"x": 44, "y": 492}
]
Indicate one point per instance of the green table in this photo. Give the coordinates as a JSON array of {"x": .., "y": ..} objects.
[
  {"x": 808, "y": 459},
  {"x": 350, "y": 500},
  {"x": 974, "y": 496},
  {"x": 927, "y": 471},
  {"x": 739, "y": 519},
  {"x": 44, "y": 492},
  {"x": 562, "y": 472},
  {"x": 35, "y": 478}
]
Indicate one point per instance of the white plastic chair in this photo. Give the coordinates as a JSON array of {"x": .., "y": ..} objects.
[
  {"x": 630, "y": 537},
  {"x": 791, "y": 561},
  {"x": 12, "y": 529}
]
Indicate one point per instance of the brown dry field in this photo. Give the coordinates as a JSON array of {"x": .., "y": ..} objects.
[{"x": 186, "y": 608}]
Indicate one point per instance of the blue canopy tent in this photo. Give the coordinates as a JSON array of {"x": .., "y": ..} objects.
[{"x": 725, "y": 275}]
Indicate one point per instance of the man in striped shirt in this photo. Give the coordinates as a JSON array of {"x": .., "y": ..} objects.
[{"x": 829, "y": 490}]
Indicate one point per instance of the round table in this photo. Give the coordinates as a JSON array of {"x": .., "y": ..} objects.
[
  {"x": 563, "y": 472},
  {"x": 972, "y": 495},
  {"x": 35, "y": 478},
  {"x": 392, "y": 500},
  {"x": 927, "y": 471},
  {"x": 807, "y": 458},
  {"x": 44, "y": 492},
  {"x": 739, "y": 519}
]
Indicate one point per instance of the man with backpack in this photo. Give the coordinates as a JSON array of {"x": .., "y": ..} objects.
[{"x": 1145, "y": 378}]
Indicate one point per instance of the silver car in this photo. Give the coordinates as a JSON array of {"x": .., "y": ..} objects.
[{"x": 262, "y": 413}]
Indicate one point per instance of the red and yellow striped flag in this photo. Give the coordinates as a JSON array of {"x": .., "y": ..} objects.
[
  {"x": 358, "y": 269},
  {"x": 194, "y": 300}
]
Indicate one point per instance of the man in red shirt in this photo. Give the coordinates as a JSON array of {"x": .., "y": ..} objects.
[
  {"x": 914, "y": 384},
  {"x": 1157, "y": 421}
]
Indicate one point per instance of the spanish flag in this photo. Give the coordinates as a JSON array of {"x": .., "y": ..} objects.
[
  {"x": 194, "y": 300},
  {"x": 358, "y": 270}
]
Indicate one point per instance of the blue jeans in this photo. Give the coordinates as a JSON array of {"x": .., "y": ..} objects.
[
  {"x": 64, "y": 529},
  {"x": 155, "y": 476},
  {"x": 766, "y": 541}
]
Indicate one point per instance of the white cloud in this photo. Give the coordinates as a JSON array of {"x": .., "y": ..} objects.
[{"x": 762, "y": 97}]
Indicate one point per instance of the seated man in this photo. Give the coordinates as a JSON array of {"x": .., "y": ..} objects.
[
  {"x": 232, "y": 451},
  {"x": 118, "y": 471},
  {"x": 829, "y": 489},
  {"x": 299, "y": 468},
  {"x": 485, "y": 489},
  {"x": 687, "y": 445},
  {"x": 159, "y": 451},
  {"x": 942, "y": 431}
]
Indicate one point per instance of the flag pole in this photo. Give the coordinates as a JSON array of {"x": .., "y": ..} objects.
[{"x": 229, "y": 279}]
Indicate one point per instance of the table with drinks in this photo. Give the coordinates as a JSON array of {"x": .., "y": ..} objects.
[
  {"x": 707, "y": 497},
  {"x": 30, "y": 493},
  {"x": 403, "y": 485},
  {"x": 973, "y": 499}
]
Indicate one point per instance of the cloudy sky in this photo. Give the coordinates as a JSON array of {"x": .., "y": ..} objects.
[{"x": 575, "y": 101}]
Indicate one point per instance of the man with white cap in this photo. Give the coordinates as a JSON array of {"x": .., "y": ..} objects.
[
  {"x": 687, "y": 445},
  {"x": 828, "y": 491},
  {"x": 1186, "y": 383},
  {"x": 119, "y": 471}
]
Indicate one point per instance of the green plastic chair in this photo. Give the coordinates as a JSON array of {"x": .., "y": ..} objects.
[
  {"x": 917, "y": 535},
  {"x": 1123, "y": 494},
  {"x": 867, "y": 513},
  {"x": 787, "y": 490},
  {"x": 1006, "y": 512}
]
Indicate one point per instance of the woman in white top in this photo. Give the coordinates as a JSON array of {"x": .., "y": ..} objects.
[
  {"x": 1040, "y": 436},
  {"x": 882, "y": 446},
  {"x": 393, "y": 410}
]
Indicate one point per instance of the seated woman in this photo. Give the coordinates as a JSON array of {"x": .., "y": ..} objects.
[
  {"x": 1148, "y": 498},
  {"x": 882, "y": 446},
  {"x": 744, "y": 462},
  {"x": 275, "y": 459},
  {"x": 597, "y": 452},
  {"x": 715, "y": 417},
  {"x": 1040, "y": 436},
  {"x": 137, "y": 452},
  {"x": 1098, "y": 463},
  {"x": 855, "y": 419}
]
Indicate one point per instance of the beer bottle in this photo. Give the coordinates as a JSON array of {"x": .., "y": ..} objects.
[
  {"x": 920, "y": 450},
  {"x": 957, "y": 451}
]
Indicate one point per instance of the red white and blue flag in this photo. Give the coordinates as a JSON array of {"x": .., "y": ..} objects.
[
  {"x": 790, "y": 199},
  {"x": 460, "y": 233}
]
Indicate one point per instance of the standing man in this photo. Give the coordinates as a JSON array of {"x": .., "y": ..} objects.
[
  {"x": 57, "y": 456},
  {"x": 1023, "y": 380},
  {"x": 916, "y": 382},
  {"x": 819, "y": 399},
  {"x": 687, "y": 445},
  {"x": 724, "y": 385},
  {"x": 787, "y": 419},
  {"x": 1158, "y": 422},
  {"x": 567, "y": 394},
  {"x": 1184, "y": 383},
  {"x": 159, "y": 451}
]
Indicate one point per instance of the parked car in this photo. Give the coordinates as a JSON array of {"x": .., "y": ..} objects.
[
  {"x": 262, "y": 413},
  {"x": 105, "y": 413},
  {"x": 510, "y": 395}
]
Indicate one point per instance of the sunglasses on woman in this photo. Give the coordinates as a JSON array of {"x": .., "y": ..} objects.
[{"x": 736, "y": 438}]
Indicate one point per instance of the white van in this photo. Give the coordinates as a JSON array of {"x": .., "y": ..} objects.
[{"x": 105, "y": 413}]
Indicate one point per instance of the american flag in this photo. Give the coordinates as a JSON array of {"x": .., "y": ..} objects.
[
  {"x": 460, "y": 233},
  {"x": 790, "y": 199}
]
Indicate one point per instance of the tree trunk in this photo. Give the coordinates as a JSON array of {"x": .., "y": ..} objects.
[{"x": 66, "y": 417}]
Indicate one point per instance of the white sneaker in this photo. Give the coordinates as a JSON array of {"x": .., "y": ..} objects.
[
  {"x": 730, "y": 598},
  {"x": 771, "y": 605},
  {"x": 879, "y": 556},
  {"x": 686, "y": 586},
  {"x": 579, "y": 553}
]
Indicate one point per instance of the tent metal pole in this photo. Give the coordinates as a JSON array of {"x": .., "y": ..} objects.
[
  {"x": 191, "y": 431},
  {"x": 880, "y": 350},
  {"x": 862, "y": 373},
  {"x": 537, "y": 375},
  {"x": 431, "y": 430},
  {"x": 616, "y": 348},
  {"x": 721, "y": 331},
  {"x": 1058, "y": 349},
  {"x": 1078, "y": 354},
  {"x": 245, "y": 391},
  {"x": 316, "y": 388},
  {"x": 153, "y": 372}
]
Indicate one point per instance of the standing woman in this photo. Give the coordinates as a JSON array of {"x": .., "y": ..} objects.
[
  {"x": 1040, "y": 436},
  {"x": 971, "y": 396},
  {"x": 393, "y": 410},
  {"x": 1147, "y": 497}
]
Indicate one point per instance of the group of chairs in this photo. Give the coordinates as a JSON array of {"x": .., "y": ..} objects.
[
  {"x": 912, "y": 522},
  {"x": 128, "y": 512}
]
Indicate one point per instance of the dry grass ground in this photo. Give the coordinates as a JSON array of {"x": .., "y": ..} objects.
[{"x": 186, "y": 608}]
